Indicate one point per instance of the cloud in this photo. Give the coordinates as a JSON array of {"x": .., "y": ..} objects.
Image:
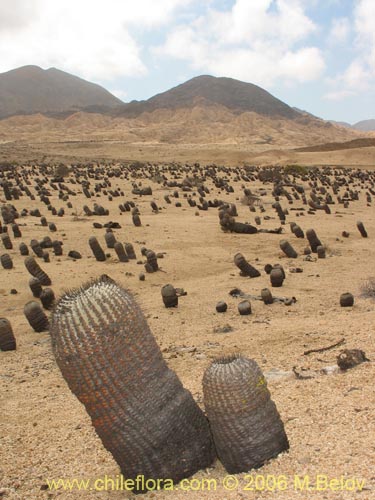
[
  {"x": 338, "y": 95},
  {"x": 257, "y": 41},
  {"x": 86, "y": 37},
  {"x": 359, "y": 75},
  {"x": 340, "y": 30}
]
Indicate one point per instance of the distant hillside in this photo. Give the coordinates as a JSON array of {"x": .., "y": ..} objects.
[
  {"x": 342, "y": 124},
  {"x": 30, "y": 89},
  {"x": 365, "y": 125},
  {"x": 237, "y": 96}
]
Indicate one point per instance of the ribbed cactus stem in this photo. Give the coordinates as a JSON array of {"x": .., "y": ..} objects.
[
  {"x": 112, "y": 363},
  {"x": 245, "y": 423}
]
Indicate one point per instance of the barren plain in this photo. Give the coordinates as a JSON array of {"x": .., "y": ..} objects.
[{"x": 46, "y": 433}]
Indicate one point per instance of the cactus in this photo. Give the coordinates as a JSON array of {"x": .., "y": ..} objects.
[
  {"x": 245, "y": 423},
  {"x": 287, "y": 248},
  {"x": 321, "y": 251},
  {"x": 96, "y": 249},
  {"x": 110, "y": 239},
  {"x": 47, "y": 298},
  {"x": 16, "y": 231},
  {"x": 120, "y": 251},
  {"x": 346, "y": 299},
  {"x": 6, "y": 261},
  {"x": 35, "y": 287},
  {"x": 7, "y": 339},
  {"x": 169, "y": 296},
  {"x": 361, "y": 229},
  {"x": 221, "y": 306},
  {"x": 277, "y": 277},
  {"x": 313, "y": 239},
  {"x": 129, "y": 249},
  {"x": 138, "y": 406},
  {"x": 36, "y": 248},
  {"x": 266, "y": 296},
  {"x": 35, "y": 270},
  {"x": 6, "y": 241},
  {"x": 36, "y": 316},
  {"x": 244, "y": 308},
  {"x": 23, "y": 249},
  {"x": 151, "y": 265},
  {"x": 245, "y": 267}
]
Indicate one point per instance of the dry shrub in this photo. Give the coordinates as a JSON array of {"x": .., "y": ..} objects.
[{"x": 368, "y": 288}]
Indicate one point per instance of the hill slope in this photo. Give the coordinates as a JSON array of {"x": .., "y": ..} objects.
[
  {"x": 30, "y": 89},
  {"x": 365, "y": 125},
  {"x": 237, "y": 96}
]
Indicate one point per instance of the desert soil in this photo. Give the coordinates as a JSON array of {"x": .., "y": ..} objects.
[{"x": 45, "y": 433}]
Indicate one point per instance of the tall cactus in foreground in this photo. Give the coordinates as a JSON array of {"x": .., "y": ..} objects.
[
  {"x": 138, "y": 406},
  {"x": 245, "y": 423}
]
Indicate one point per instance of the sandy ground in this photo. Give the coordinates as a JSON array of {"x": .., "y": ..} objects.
[{"x": 45, "y": 433}]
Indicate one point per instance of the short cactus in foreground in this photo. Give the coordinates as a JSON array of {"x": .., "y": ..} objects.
[
  {"x": 138, "y": 406},
  {"x": 245, "y": 423}
]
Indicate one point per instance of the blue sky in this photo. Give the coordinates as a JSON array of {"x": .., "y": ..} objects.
[{"x": 318, "y": 55}]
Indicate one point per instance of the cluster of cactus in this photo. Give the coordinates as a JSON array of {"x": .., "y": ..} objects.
[{"x": 138, "y": 406}]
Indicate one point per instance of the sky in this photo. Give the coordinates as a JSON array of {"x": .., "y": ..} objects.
[{"x": 317, "y": 55}]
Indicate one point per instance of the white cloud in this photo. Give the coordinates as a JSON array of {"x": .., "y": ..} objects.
[
  {"x": 254, "y": 41},
  {"x": 340, "y": 30},
  {"x": 338, "y": 95},
  {"x": 87, "y": 37}
]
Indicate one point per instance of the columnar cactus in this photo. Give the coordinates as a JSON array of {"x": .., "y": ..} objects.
[
  {"x": 246, "y": 268},
  {"x": 246, "y": 426},
  {"x": 36, "y": 316},
  {"x": 96, "y": 249},
  {"x": 7, "y": 340},
  {"x": 138, "y": 406},
  {"x": 6, "y": 261},
  {"x": 287, "y": 248},
  {"x": 313, "y": 239},
  {"x": 35, "y": 270}
]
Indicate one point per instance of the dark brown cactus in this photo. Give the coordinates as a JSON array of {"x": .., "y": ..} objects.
[
  {"x": 47, "y": 298},
  {"x": 246, "y": 268},
  {"x": 96, "y": 249},
  {"x": 16, "y": 231},
  {"x": 287, "y": 248},
  {"x": 110, "y": 239},
  {"x": 36, "y": 316},
  {"x": 35, "y": 287},
  {"x": 57, "y": 247},
  {"x": 245, "y": 423},
  {"x": 297, "y": 231},
  {"x": 266, "y": 296},
  {"x": 129, "y": 249},
  {"x": 361, "y": 229},
  {"x": 6, "y": 241},
  {"x": 24, "y": 250},
  {"x": 7, "y": 339},
  {"x": 136, "y": 220},
  {"x": 112, "y": 363},
  {"x": 120, "y": 251},
  {"x": 313, "y": 240},
  {"x": 346, "y": 299},
  {"x": 221, "y": 306},
  {"x": 152, "y": 262},
  {"x": 244, "y": 308},
  {"x": 277, "y": 277},
  {"x": 169, "y": 296},
  {"x": 321, "y": 251},
  {"x": 6, "y": 261},
  {"x": 36, "y": 248},
  {"x": 35, "y": 270}
]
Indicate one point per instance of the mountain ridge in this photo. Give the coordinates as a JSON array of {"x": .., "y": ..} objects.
[{"x": 31, "y": 89}]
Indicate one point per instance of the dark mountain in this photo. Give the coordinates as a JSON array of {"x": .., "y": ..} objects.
[
  {"x": 30, "y": 89},
  {"x": 235, "y": 95},
  {"x": 365, "y": 125}
]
